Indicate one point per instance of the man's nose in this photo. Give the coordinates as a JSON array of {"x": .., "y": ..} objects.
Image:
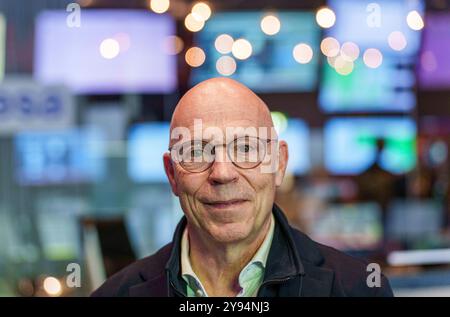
[{"x": 222, "y": 171}]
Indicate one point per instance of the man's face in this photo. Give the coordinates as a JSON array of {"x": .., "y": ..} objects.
[{"x": 225, "y": 202}]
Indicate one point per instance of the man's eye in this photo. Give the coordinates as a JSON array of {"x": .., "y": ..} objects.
[
  {"x": 196, "y": 152},
  {"x": 245, "y": 148}
]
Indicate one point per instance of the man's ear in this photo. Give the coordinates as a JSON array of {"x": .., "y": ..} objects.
[
  {"x": 283, "y": 157},
  {"x": 170, "y": 172}
]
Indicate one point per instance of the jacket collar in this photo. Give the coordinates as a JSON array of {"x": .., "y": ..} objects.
[
  {"x": 173, "y": 267},
  {"x": 315, "y": 279},
  {"x": 284, "y": 260}
]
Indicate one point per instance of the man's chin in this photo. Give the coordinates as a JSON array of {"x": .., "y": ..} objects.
[{"x": 229, "y": 232}]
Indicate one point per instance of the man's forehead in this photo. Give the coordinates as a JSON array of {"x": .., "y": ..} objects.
[
  {"x": 219, "y": 123},
  {"x": 200, "y": 130},
  {"x": 222, "y": 112}
]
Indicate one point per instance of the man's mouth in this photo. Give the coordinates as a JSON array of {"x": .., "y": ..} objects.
[{"x": 223, "y": 204}]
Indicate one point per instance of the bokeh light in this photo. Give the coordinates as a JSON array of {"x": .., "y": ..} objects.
[
  {"x": 109, "y": 48},
  {"x": 195, "y": 56},
  {"x": 52, "y": 286},
  {"x": 242, "y": 49},
  {"x": 414, "y": 20},
  {"x": 226, "y": 65},
  {"x": 159, "y": 6},
  {"x": 428, "y": 61},
  {"x": 193, "y": 24},
  {"x": 325, "y": 17},
  {"x": 330, "y": 46},
  {"x": 349, "y": 51},
  {"x": 224, "y": 43},
  {"x": 397, "y": 41},
  {"x": 343, "y": 66},
  {"x": 372, "y": 58},
  {"x": 302, "y": 53},
  {"x": 270, "y": 25},
  {"x": 201, "y": 11}
]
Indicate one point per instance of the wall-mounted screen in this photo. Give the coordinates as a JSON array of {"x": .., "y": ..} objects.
[{"x": 112, "y": 51}]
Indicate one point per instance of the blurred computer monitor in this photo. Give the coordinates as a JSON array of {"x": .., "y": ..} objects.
[
  {"x": 388, "y": 88},
  {"x": 271, "y": 66},
  {"x": 349, "y": 227},
  {"x": 113, "y": 51},
  {"x": 350, "y": 144},
  {"x": 28, "y": 105},
  {"x": 67, "y": 156},
  {"x": 372, "y": 22},
  {"x": 147, "y": 142},
  {"x": 297, "y": 135},
  {"x": 412, "y": 219},
  {"x": 434, "y": 65}
]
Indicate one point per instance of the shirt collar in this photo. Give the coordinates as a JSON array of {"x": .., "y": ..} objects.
[
  {"x": 259, "y": 260},
  {"x": 187, "y": 272},
  {"x": 262, "y": 254}
]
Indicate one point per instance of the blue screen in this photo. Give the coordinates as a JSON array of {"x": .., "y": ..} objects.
[
  {"x": 136, "y": 59},
  {"x": 296, "y": 134},
  {"x": 271, "y": 68},
  {"x": 434, "y": 66},
  {"x": 147, "y": 143},
  {"x": 369, "y": 25},
  {"x": 350, "y": 144},
  {"x": 59, "y": 157},
  {"x": 387, "y": 88}
]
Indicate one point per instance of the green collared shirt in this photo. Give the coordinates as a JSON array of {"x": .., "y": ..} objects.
[{"x": 250, "y": 278}]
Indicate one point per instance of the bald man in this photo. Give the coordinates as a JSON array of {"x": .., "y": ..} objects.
[{"x": 224, "y": 163}]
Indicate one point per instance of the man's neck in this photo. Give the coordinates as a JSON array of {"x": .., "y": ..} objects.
[{"x": 218, "y": 265}]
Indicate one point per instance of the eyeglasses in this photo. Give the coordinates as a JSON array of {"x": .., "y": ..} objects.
[{"x": 197, "y": 156}]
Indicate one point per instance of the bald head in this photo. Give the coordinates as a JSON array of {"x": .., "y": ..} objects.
[{"x": 221, "y": 102}]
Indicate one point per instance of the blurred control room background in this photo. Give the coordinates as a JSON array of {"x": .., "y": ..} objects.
[{"x": 360, "y": 89}]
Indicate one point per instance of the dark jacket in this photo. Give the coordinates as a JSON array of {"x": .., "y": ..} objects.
[{"x": 296, "y": 266}]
